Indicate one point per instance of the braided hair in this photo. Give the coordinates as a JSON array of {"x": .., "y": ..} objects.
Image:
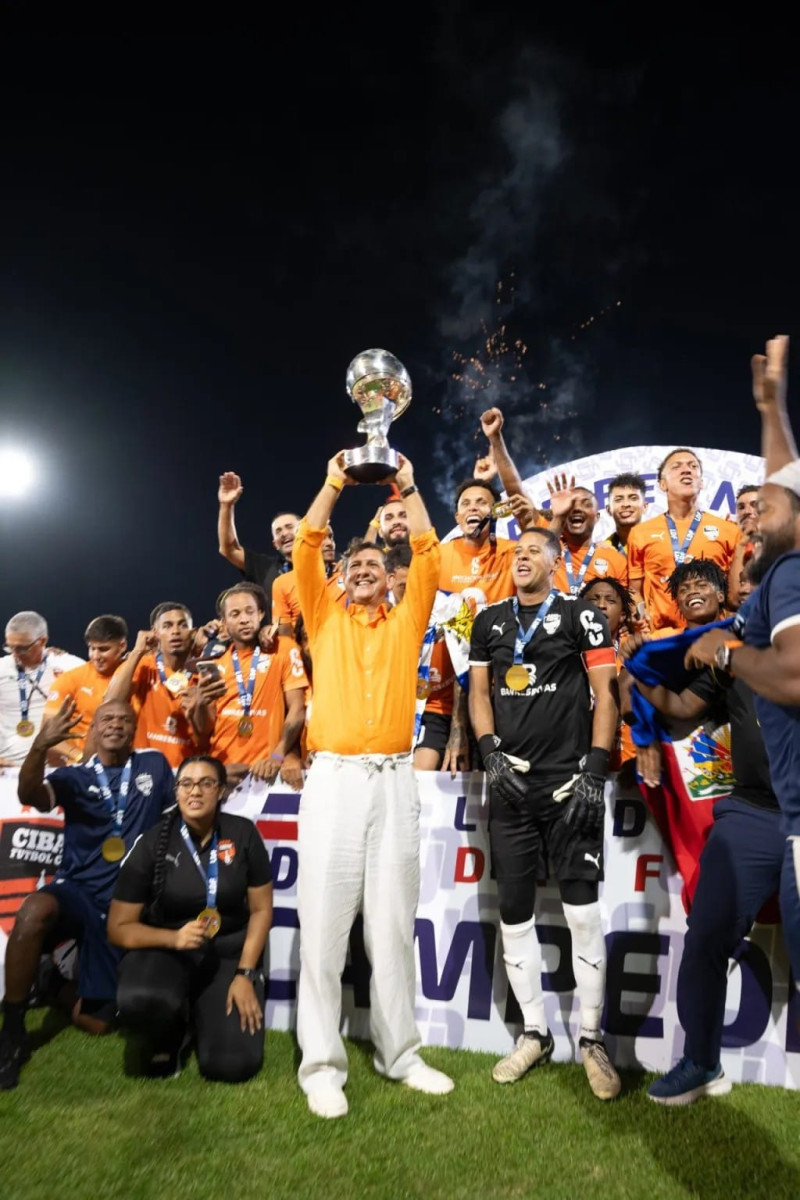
[{"x": 168, "y": 823}]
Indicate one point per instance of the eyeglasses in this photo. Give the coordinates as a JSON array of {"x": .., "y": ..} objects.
[
  {"x": 21, "y": 649},
  {"x": 206, "y": 784}
]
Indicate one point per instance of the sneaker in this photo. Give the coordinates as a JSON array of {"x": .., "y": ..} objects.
[
  {"x": 166, "y": 1059},
  {"x": 687, "y": 1082},
  {"x": 531, "y": 1050},
  {"x": 14, "y": 1053},
  {"x": 423, "y": 1078},
  {"x": 603, "y": 1079},
  {"x": 327, "y": 1100}
]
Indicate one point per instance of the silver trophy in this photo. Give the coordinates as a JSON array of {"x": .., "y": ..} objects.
[{"x": 380, "y": 385}]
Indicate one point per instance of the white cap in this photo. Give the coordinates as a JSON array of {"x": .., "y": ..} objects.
[{"x": 787, "y": 477}]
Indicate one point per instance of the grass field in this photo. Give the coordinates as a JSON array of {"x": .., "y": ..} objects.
[{"x": 78, "y": 1127}]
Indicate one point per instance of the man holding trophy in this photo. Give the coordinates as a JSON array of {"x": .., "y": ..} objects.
[{"x": 359, "y": 813}]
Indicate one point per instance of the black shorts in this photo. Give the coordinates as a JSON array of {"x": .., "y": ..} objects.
[
  {"x": 524, "y": 842},
  {"x": 434, "y": 732}
]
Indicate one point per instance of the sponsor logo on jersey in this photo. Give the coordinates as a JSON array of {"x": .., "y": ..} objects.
[
  {"x": 711, "y": 532},
  {"x": 144, "y": 783},
  {"x": 499, "y": 628},
  {"x": 551, "y": 623},
  {"x": 660, "y": 536},
  {"x": 227, "y": 851}
]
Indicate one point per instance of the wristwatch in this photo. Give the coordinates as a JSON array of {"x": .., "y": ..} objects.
[
  {"x": 251, "y": 973},
  {"x": 722, "y": 658},
  {"x": 409, "y": 491}
]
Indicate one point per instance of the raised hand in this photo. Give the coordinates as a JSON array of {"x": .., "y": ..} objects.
[
  {"x": 59, "y": 727},
  {"x": 770, "y": 374},
  {"x": 485, "y": 468},
  {"x": 491, "y": 422},
  {"x": 562, "y": 495},
  {"x": 230, "y": 488}
]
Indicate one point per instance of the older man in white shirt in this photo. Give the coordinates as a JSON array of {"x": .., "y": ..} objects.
[{"x": 27, "y": 671}]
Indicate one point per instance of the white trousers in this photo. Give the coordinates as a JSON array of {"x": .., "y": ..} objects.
[{"x": 358, "y": 847}]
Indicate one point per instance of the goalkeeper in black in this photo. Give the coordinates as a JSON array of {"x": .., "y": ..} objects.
[{"x": 544, "y": 707}]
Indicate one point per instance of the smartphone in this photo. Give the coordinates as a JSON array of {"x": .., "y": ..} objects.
[{"x": 207, "y": 668}]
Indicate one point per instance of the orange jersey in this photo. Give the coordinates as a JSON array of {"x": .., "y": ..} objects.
[
  {"x": 276, "y": 673},
  {"x": 87, "y": 687},
  {"x": 651, "y": 558},
  {"x": 605, "y": 563},
  {"x": 365, "y": 667},
  {"x": 488, "y": 571},
  {"x": 161, "y": 723},
  {"x": 285, "y": 604}
]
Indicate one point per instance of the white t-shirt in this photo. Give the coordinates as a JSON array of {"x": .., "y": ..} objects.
[{"x": 14, "y": 747}]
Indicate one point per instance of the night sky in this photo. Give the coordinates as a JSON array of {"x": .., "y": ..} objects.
[{"x": 199, "y": 235}]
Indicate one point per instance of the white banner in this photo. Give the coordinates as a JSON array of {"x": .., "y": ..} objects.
[{"x": 462, "y": 994}]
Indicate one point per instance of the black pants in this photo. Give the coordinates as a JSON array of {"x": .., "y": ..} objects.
[{"x": 160, "y": 991}]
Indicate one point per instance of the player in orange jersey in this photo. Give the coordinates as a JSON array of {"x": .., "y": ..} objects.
[
  {"x": 252, "y": 703},
  {"x": 583, "y": 559},
  {"x": 155, "y": 678},
  {"x": 626, "y": 505},
  {"x": 681, "y": 534},
  {"x": 286, "y": 606},
  {"x": 106, "y": 640},
  {"x": 262, "y": 569}
]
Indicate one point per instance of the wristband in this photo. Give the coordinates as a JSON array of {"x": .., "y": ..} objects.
[
  {"x": 409, "y": 491},
  {"x": 333, "y": 482},
  {"x": 488, "y": 744},
  {"x": 374, "y": 525},
  {"x": 277, "y": 757},
  {"x": 596, "y": 761}
]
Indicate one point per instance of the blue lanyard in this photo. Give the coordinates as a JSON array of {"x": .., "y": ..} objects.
[
  {"x": 680, "y": 552},
  {"x": 246, "y": 693},
  {"x": 117, "y": 813},
  {"x": 618, "y": 544},
  {"x": 210, "y": 879},
  {"x": 575, "y": 584},
  {"x": 162, "y": 674},
  {"x": 522, "y": 637},
  {"x": 22, "y": 679}
]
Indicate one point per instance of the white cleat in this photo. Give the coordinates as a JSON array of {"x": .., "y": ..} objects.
[
  {"x": 423, "y": 1078},
  {"x": 327, "y": 1100}
]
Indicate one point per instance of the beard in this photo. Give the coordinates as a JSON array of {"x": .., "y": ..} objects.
[{"x": 773, "y": 545}]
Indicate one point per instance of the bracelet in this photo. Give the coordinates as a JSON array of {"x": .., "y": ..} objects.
[
  {"x": 409, "y": 491},
  {"x": 374, "y": 524},
  {"x": 333, "y": 482},
  {"x": 277, "y": 757}
]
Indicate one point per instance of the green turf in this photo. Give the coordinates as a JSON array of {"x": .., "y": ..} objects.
[{"x": 78, "y": 1127}]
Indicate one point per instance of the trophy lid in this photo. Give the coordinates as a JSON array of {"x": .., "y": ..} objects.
[{"x": 374, "y": 373}]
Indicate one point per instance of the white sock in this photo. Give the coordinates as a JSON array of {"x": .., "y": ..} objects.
[
  {"x": 522, "y": 955},
  {"x": 588, "y": 964}
]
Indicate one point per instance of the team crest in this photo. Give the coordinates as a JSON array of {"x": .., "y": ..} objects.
[
  {"x": 226, "y": 850},
  {"x": 263, "y": 664},
  {"x": 601, "y": 566},
  {"x": 551, "y": 623},
  {"x": 711, "y": 532},
  {"x": 171, "y": 725},
  {"x": 144, "y": 784}
]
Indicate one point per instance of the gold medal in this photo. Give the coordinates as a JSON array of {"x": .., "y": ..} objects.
[
  {"x": 212, "y": 921},
  {"x": 177, "y": 683},
  {"x": 502, "y": 508},
  {"x": 245, "y": 727},
  {"x": 113, "y": 849},
  {"x": 517, "y": 678},
  {"x": 25, "y": 728}
]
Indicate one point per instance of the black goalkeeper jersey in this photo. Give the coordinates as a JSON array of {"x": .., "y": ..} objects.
[{"x": 550, "y": 722}]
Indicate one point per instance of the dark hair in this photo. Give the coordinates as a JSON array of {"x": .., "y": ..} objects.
[
  {"x": 247, "y": 589},
  {"x": 672, "y": 453},
  {"x": 748, "y": 487},
  {"x": 284, "y": 512},
  {"x": 357, "y": 544},
  {"x": 547, "y": 536},
  {"x": 168, "y": 606},
  {"x": 628, "y": 479},
  {"x": 399, "y": 556},
  {"x": 477, "y": 483},
  {"x": 168, "y": 823},
  {"x": 626, "y": 600},
  {"x": 106, "y": 629},
  {"x": 698, "y": 568}
]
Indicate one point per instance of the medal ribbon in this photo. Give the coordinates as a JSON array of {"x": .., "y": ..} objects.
[
  {"x": 22, "y": 679},
  {"x": 522, "y": 637},
  {"x": 122, "y": 797},
  {"x": 162, "y": 674},
  {"x": 680, "y": 552},
  {"x": 575, "y": 584},
  {"x": 245, "y": 693},
  {"x": 210, "y": 879}
]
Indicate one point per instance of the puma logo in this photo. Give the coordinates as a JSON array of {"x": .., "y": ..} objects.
[
  {"x": 596, "y": 965},
  {"x": 499, "y": 628},
  {"x": 593, "y": 858}
]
